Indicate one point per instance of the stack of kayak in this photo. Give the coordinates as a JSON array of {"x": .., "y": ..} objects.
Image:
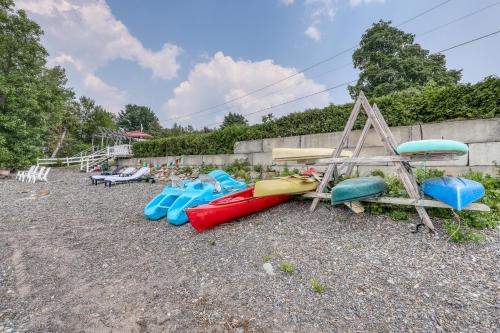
[{"x": 454, "y": 191}]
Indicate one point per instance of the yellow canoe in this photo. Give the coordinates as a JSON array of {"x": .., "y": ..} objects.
[
  {"x": 285, "y": 185},
  {"x": 301, "y": 154}
]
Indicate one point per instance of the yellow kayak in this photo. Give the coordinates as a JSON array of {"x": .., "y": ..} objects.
[
  {"x": 285, "y": 185},
  {"x": 301, "y": 154}
]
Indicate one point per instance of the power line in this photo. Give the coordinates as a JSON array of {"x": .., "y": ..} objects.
[
  {"x": 293, "y": 100},
  {"x": 282, "y": 89},
  {"x": 346, "y": 83},
  {"x": 469, "y": 41},
  {"x": 423, "y": 13},
  {"x": 458, "y": 19},
  {"x": 304, "y": 69}
]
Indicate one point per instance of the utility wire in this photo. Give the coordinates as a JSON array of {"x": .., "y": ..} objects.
[
  {"x": 346, "y": 83},
  {"x": 292, "y": 100},
  {"x": 469, "y": 41},
  {"x": 282, "y": 89},
  {"x": 458, "y": 19},
  {"x": 304, "y": 69},
  {"x": 423, "y": 13}
]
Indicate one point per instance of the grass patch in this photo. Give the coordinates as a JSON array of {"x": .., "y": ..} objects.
[
  {"x": 461, "y": 234},
  {"x": 286, "y": 266},
  {"x": 398, "y": 215},
  {"x": 211, "y": 242},
  {"x": 317, "y": 287},
  {"x": 267, "y": 258}
]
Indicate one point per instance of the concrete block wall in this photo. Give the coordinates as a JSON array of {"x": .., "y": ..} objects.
[{"x": 481, "y": 135}]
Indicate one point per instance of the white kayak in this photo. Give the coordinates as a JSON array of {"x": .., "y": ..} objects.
[{"x": 305, "y": 154}]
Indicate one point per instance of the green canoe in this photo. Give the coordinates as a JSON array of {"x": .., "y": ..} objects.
[
  {"x": 432, "y": 147},
  {"x": 357, "y": 188}
]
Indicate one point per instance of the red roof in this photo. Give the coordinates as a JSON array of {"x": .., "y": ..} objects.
[{"x": 137, "y": 135}]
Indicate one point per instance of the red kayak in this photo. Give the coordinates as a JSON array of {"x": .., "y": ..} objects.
[{"x": 230, "y": 207}]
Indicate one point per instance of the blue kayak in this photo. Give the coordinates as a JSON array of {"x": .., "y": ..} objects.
[
  {"x": 421, "y": 147},
  {"x": 455, "y": 191},
  {"x": 173, "y": 200}
]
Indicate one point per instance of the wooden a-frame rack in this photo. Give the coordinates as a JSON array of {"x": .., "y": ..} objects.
[{"x": 339, "y": 165}]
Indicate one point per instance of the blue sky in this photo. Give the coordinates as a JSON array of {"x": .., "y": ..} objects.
[{"x": 179, "y": 57}]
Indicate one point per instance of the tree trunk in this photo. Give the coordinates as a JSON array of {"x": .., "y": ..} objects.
[{"x": 59, "y": 143}]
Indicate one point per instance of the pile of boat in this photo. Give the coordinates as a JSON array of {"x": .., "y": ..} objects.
[{"x": 218, "y": 198}]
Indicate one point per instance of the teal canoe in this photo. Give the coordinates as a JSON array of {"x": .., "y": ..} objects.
[
  {"x": 357, "y": 188},
  {"x": 432, "y": 147}
]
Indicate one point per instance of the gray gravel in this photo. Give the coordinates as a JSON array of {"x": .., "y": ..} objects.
[{"x": 85, "y": 259}]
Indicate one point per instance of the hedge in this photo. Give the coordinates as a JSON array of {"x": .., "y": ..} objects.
[{"x": 432, "y": 103}]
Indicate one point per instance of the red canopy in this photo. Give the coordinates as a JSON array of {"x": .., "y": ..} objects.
[{"x": 137, "y": 135}]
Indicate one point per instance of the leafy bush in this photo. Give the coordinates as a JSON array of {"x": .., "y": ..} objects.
[{"x": 432, "y": 103}]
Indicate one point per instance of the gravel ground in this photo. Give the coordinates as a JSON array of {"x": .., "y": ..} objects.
[{"x": 84, "y": 258}]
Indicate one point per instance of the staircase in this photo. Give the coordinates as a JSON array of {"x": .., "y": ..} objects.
[{"x": 88, "y": 159}]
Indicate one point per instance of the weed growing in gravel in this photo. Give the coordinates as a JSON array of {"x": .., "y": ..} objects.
[
  {"x": 460, "y": 234},
  {"x": 259, "y": 223},
  {"x": 286, "y": 267},
  {"x": 267, "y": 258},
  {"x": 398, "y": 215},
  {"x": 211, "y": 242},
  {"x": 317, "y": 287}
]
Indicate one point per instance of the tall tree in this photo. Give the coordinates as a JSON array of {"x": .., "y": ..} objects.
[
  {"x": 135, "y": 117},
  {"x": 92, "y": 116},
  {"x": 389, "y": 60},
  {"x": 23, "y": 117},
  {"x": 232, "y": 119}
]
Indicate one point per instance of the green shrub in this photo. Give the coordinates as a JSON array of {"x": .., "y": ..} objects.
[{"x": 258, "y": 168}]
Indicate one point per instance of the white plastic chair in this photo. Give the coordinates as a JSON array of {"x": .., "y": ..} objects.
[
  {"x": 21, "y": 172},
  {"x": 36, "y": 175},
  {"x": 26, "y": 175},
  {"x": 43, "y": 177}
]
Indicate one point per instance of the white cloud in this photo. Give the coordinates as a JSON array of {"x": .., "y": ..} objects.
[
  {"x": 99, "y": 90},
  {"x": 322, "y": 8},
  {"x": 313, "y": 32},
  {"x": 287, "y": 2},
  {"x": 86, "y": 35},
  {"x": 222, "y": 79},
  {"x": 354, "y": 3}
]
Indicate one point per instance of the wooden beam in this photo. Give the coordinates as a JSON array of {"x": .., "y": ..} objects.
[
  {"x": 405, "y": 202},
  {"x": 332, "y": 168}
]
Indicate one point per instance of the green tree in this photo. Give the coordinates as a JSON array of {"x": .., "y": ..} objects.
[
  {"x": 93, "y": 116},
  {"x": 232, "y": 119},
  {"x": 267, "y": 118},
  {"x": 389, "y": 60},
  {"x": 135, "y": 117},
  {"x": 32, "y": 97}
]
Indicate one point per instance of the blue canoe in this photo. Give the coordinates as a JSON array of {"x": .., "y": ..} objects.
[
  {"x": 455, "y": 191},
  {"x": 173, "y": 201},
  {"x": 432, "y": 147}
]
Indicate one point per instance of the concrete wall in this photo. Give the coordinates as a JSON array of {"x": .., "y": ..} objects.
[{"x": 481, "y": 135}]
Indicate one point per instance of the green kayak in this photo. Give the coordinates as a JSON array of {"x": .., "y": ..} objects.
[
  {"x": 357, "y": 188},
  {"x": 422, "y": 147}
]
